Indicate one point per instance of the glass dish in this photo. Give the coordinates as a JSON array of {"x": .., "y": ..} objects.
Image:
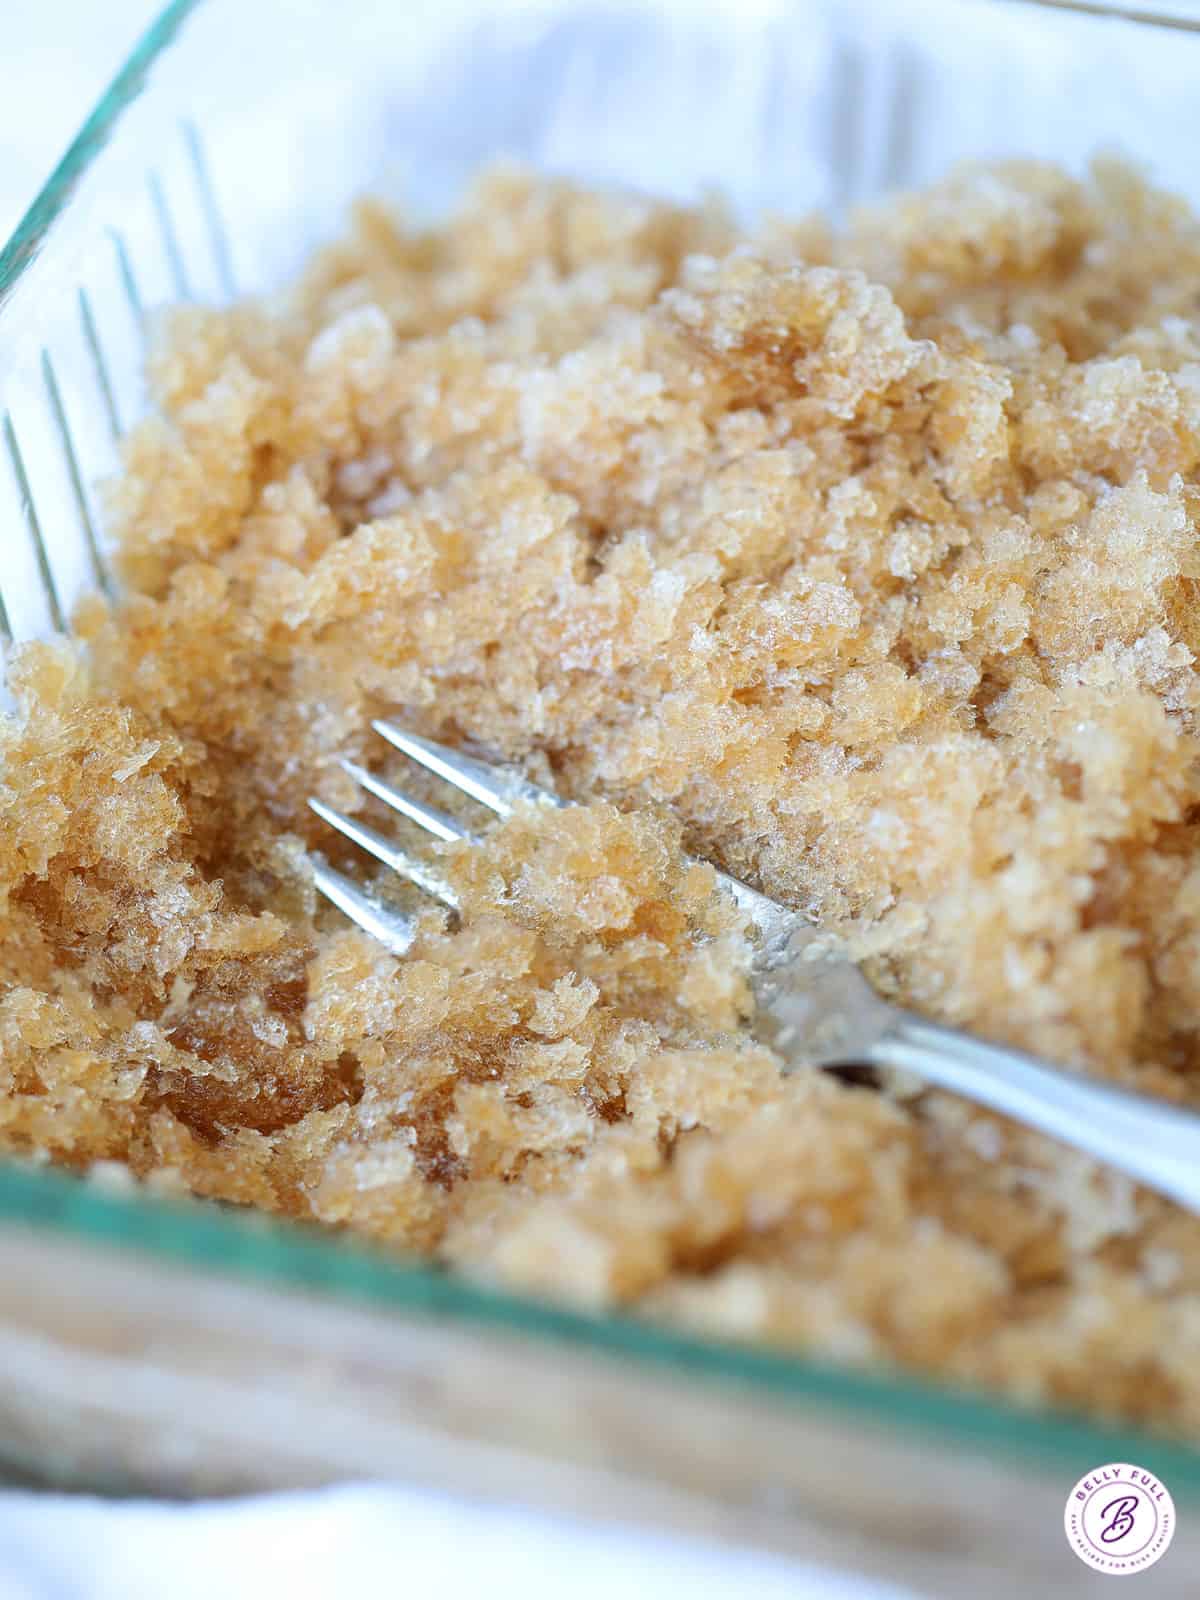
[{"x": 189, "y": 1347}]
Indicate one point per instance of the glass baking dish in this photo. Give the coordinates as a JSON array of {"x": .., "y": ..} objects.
[{"x": 191, "y": 1347}]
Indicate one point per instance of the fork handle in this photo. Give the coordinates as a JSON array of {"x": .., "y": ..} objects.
[{"x": 1156, "y": 1143}]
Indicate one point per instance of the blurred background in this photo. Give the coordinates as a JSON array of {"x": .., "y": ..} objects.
[{"x": 58, "y": 55}]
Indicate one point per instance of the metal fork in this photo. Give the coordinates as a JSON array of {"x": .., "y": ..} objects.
[{"x": 814, "y": 1006}]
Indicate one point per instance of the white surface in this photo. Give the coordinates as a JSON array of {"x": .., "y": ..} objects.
[{"x": 367, "y": 1541}]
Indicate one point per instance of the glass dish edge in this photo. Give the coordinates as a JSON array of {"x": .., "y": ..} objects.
[{"x": 207, "y": 1237}]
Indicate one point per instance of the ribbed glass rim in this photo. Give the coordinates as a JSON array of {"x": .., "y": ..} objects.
[{"x": 259, "y": 1247}]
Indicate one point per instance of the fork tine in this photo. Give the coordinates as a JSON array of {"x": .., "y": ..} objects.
[
  {"x": 392, "y": 855},
  {"x": 392, "y": 928},
  {"x": 435, "y": 822},
  {"x": 491, "y": 786},
  {"x": 501, "y": 790}
]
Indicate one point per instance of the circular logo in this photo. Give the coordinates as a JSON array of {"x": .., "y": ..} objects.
[{"x": 1119, "y": 1518}]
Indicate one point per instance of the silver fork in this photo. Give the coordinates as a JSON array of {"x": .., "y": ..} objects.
[{"x": 814, "y": 1006}]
